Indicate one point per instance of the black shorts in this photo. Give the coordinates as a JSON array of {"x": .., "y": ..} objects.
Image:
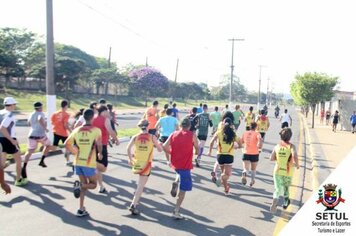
[
  {"x": 152, "y": 131},
  {"x": 262, "y": 135},
  {"x": 202, "y": 137},
  {"x": 225, "y": 159},
  {"x": 57, "y": 138},
  {"x": 353, "y": 125},
  {"x": 163, "y": 139},
  {"x": 103, "y": 161},
  {"x": 251, "y": 158},
  {"x": 7, "y": 146},
  {"x": 285, "y": 125}
]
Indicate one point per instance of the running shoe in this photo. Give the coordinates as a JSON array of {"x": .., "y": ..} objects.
[
  {"x": 21, "y": 182},
  {"x": 197, "y": 162},
  {"x": 213, "y": 177},
  {"x": 243, "y": 178},
  {"x": 273, "y": 207},
  {"x": 81, "y": 213},
  {"x": 174, "y": 189},
  {"x": 42, "y": 164},
  {"x": 286, "y": 203},
  {"x": 176, "y": 215},
  {"x": 134, "y": 210},
  {"x": 227, "y": 190},
  {"x": 69, "y": 163},
  {"x": 103, "y": 190},
  {"x": 76, "y": 190},
  {"x": 23, "y": 173}
]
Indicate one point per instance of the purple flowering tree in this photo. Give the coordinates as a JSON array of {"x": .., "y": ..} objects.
[{"x": 148, "y": 82}]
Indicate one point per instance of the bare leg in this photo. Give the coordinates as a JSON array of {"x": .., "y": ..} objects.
[
  {"x": 17, "y": 158},
  {"x": 101, "y": 168},
  {"x": 142, "y": 180},
  {"x": 180, "y": 199}
]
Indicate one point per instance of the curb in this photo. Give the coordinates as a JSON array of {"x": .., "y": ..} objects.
[
  {"x": 314, "y": 163},
  {"x": 38, "y": 155}
]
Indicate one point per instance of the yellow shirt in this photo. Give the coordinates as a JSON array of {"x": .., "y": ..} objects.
[
  {"x": 249, "y": 118},
  {"x": 223, "y": 147},
  {"x": 84, "y": 138},
  {"x": 143, "y": 152},
  {"x": 262, "y": 124},
  {"x": 284, "y": 162}
]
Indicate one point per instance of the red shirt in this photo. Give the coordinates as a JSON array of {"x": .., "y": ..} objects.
[
  {"x": 99, "y": 122},
  {"x": 182, "y": 150}
]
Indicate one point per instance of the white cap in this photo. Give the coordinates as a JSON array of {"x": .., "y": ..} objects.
[{"x": 9, "y": 101}]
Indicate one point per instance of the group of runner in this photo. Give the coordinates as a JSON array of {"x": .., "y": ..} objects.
[{"x": 87, "y": 139}]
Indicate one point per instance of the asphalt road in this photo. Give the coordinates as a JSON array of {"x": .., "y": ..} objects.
[{"x": 47, "y": 205}]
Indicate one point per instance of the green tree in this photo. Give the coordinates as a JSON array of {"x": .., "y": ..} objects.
[{"x": 313, "y": 88}]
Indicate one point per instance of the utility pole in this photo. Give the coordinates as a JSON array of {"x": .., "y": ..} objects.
[
  {"x": 259, "y": 88},
  {"x": 146, "y": 61},
  {"x": 175, "y": 79},
  {"x": 232, "y": 68},
  {"x": 109, "y": 59},
  {"x": 267, "y": 94},
  {"x": 50, "y": 88}
]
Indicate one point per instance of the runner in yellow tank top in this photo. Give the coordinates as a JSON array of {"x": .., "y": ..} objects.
[
  {"x": 141, "y": 161},
  {"x": 286, "y": 157},
  {"x": 250, "y": 117},
  {"x": 262, "y": 124}
]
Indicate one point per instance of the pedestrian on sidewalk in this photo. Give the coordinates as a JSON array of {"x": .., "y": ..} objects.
[
  {"x": 151, "y": 115},
  {"x": 87, "y": 151},
  {"x": 180, "y": 146},
  {"x": 141, "y": 160},
  {"x": 37, "y": 135},
  {"x": 336, "y": 119},
  {"x": 102, "y": 122},
  {"x": 327, "y": 117},
  {"x": 322, "y": 116},
  {"x": 227, "y": 143},
  {"x": 60, "y": 124},
  {"x": 353, "y": 121},
  {"x": 252, "y": 142},
  {"x": 8, "y": 139},
  {"x": 3, "y": 184},
  {"x": 285, "y": 156}
]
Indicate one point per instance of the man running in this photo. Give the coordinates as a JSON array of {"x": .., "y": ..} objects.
[
  {"x": 60, "y": 125},
  {"x": 166, "y": 126},
  {"x": 215, "y": 118},
  {"x": 81, "y": 121},
  {"x": 3, "y": 184},
  {"x": 163, "y": 112},
  {"x": 353, "y": 121},
  {"x": 286, "y": 120},
  {"x": 238, "y": 115},
  {"x": 249, "y": 118},
  {"x": 141, "y": 161},
  {"x": 175, "y": 111},
  {"x": 85, "y": 143},
  {"x": 37, "y": 134},
  {"x": 203, "y": 128},
  {"x": 200, "y": 108},
  {"x": 8, "y": 138},
  {"x": 180, "y": 148},
  {"x": 151, "y": 115},
  {"x": 193, "y": 118},
  {"x": 102, "y": 122}
]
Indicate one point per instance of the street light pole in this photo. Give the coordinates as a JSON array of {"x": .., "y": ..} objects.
[
  {"x": 259, "y": 88},
  {"x": 50, "y": 89},
  {"x": 232, "y": 68}
]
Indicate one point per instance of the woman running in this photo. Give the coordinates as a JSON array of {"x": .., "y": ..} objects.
[
  {"x": 285, "y": 155},
  {"x": 141, "y": 160},
  {"x": 252, "y": 143},
  {"x": 336, "y": 119},
  {"x": 227, "y": 139}
]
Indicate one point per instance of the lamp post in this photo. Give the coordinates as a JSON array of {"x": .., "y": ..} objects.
[
  {"x": 232, "y": 68},
  {"x": 259, "y": 88}
]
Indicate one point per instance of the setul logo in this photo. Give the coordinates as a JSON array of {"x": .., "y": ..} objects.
[{"x": 330, "y": 198}]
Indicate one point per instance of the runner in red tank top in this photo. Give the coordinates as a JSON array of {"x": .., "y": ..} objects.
[
  {"x": 179, "y": 147},
  {"x": 102, "y": 122}
]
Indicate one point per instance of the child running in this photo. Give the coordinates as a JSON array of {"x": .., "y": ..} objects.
[
  {"x": 141, "y": 160},
  {"x": 252, "y": 143},
  {"x": 84, "y": 142},
  {"x": 179, "y": 146},
  {"x": 285, "y": 156},
  {"x": 227, "y": 139}
]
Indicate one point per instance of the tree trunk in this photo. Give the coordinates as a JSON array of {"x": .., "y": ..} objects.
[
  {"x": 106, "y": 88},
  {"x": 313, "y": 111}
]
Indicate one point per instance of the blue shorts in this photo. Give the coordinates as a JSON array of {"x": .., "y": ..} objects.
[
  {"x": 185, "y": 180},
  {"x": 84, "y": 171}
]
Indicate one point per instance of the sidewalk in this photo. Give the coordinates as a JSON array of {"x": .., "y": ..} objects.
[{"x": 328, "y": 148}]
